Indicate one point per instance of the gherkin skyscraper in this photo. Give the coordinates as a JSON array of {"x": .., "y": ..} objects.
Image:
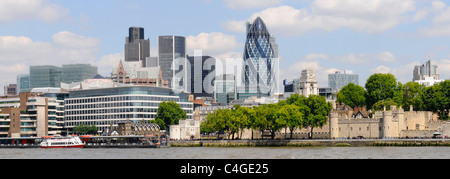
[{"x": 260, "y": 60}]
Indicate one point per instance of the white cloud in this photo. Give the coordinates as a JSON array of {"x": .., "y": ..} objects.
[
  {"x": 436, "y": 7},
  {"x": 365, "y": 58},
  {"x": 374, "y": 16},
  {"x": 234, "y": 26},
  {"x": 19, "y": 52},
  {"x": 106, "y": 63},
  {"x": 403, "y": 73},
  {"x": 72, "y": 40},
  {"x": 251, "y": 4},
  {"x": 440, "y": 24},
  {"x": 11, "y": 10},
  {"x": 215, "y": 44},
  {"x": 310, "y": 61}
]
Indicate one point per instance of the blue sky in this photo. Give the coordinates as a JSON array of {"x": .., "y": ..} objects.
[{"x": 365, "y": 36}]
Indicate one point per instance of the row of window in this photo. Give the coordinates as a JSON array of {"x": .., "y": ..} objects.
[
  {"x": 111, "y": 110},
  {"x": 120, "y": 98},
  {"x": 113, "y": 116},
  {"x": 119, "y": 104}
]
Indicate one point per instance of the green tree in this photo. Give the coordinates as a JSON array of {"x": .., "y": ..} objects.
[
  {"x": 289, "y": 116},
  {"x": 412, "y": 93},
  {"x": 217, "y": 121},
  {"x": 380, "y": 105},
  {"x": 85, "y": 129},
  {"x": 267, "y": 119},
  {"x": 352, "y": 95},
  {"x": 380, "y": 87},
  {"x": 436, "y": 98},
  {"x": 319, "y": 110},
  {"x": 169, "y": 113},
  {"x": 315, "y": 109}
]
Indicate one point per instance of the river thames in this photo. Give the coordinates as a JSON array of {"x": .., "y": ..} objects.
[{"x": 233, "y": 153}]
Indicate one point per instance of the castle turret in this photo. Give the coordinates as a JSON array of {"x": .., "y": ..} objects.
[
  {"x": 334, "y": 128},
  {"x": 390, "y": 124}
]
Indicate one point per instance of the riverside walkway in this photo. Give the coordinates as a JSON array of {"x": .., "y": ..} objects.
[
  {"x": 34, "y": 143},
  {"x": 311, "y": 143}
]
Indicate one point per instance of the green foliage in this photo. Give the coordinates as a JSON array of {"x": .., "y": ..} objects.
[
  {"x": 296, "y": 112},
  {"x": 412, "y": 93},
  {"x": 352, "y": 95},
  {"x": 85, "y": 129},
  {"x": 436, "y": 98},
  {"x": 380, "y": 87},
  {"x": 169, "y": 113},
  {"x": 380, "y": 105}
]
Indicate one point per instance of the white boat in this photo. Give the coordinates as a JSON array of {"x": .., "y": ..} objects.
[{"x": 62, "y": 142}]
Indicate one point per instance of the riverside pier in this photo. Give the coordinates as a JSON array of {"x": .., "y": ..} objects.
[{"x": 138, "y": 141}]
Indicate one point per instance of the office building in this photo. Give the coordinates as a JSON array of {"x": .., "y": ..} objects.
[
  {"x": 225, "y": 89},
  {"x": 340, "y": 79},
  {"x": 52, "y": 76},
  {"x": 45, "y": 76},
  {"x": 134, "y": 73},
  {"x": 426, "y": 74},
  {"x": 10, "y": 89},
  {"x": 32, "y": 114},
  {"x": 105, "y": 106},
  {"x": 151, "y": 62},
  {"x": 77, "y": 72},
  {"x": 308, "y": 83},
  {"x": 202, "y": 76},
  {"x": 260, "y": 69},
  {"x": 169, "y": 49},
  {"x": 23, "y": 83},
  {"x": 426, "y": 70},
  {"x": 137, "y": 49}
]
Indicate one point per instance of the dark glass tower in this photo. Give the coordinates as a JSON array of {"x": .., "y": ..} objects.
[
  {"x": 260, "y": 60},
  {"x": 136, "y": 47},
  {"x": 170, "y": 48}
]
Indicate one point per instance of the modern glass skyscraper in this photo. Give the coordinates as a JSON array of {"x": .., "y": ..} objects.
[
  {"x": 170, "y": 48},
  {"x": 52, "y": 76},
  {"x": 202, "y": 76},
  {"x": 77, "y": 72},
  {"x": 260, "y": 59},
  {"x": 23, "y": 83},
  {"x": 340, "y": 79},
  {"x": 45, "y": 76},
  {"x": 136, "y": 47}
]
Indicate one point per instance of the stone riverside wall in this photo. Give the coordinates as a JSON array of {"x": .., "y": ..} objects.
[{"x": 311, "y": 143}]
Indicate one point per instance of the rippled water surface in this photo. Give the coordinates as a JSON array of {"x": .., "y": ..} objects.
[{"x": 234, "y": 153}]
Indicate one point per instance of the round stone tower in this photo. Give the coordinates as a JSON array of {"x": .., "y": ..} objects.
[{"x": 334, "y": 126}]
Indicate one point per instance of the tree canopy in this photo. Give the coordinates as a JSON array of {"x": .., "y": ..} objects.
[
  {"x": 85, "y": 129},
  {"x": 296, "y": 112},
  {"x": 352, "y": 95},
  {"x": 380, "y": 87},
  {"x": 169, "y": 113}
]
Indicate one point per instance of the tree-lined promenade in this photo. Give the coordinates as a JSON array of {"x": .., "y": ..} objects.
[{"x": 297, "y": 111}]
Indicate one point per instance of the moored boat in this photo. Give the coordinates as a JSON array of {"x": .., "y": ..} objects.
[{"x": 62, "y": 142}]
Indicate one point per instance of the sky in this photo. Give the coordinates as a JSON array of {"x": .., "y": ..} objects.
[{"x": 364, "y": 36}]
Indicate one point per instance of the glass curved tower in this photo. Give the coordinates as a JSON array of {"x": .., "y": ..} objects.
[{"x": 260, "y": 59}]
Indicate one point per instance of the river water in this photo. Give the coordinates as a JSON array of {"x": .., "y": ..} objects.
[{"x": 233, "y": 153}]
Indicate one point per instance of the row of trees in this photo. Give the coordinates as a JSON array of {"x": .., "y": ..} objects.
[
  {"x": 294, "y": 113},
  {"x": 383, "y": 90}
]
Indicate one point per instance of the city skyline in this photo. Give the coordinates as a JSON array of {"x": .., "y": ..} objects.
[{"x": 324, "y": 35}]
